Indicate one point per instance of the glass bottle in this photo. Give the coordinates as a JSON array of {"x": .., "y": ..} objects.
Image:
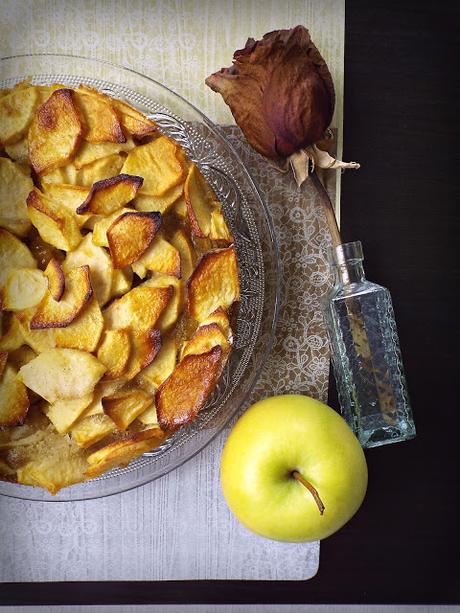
[{"x": 365, "y": 353}]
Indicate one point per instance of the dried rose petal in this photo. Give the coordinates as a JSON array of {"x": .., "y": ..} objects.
[{"x": 280, "y": 92}]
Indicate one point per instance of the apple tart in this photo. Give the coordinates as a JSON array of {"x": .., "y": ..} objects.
[{"x": 118, "y": 285}]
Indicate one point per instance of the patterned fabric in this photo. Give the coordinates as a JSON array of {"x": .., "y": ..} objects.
[{"x": 300, "y": 358}]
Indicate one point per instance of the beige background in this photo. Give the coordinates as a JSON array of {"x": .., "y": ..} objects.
[{"x": 179, "y": 527}]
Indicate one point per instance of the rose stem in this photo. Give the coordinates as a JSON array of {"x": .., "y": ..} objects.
[
  {"x": 311, "y": 489},
  {"x": 331, "y": 219}
]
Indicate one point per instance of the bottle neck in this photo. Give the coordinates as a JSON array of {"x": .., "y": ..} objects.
[
  {"x": 350, "y": 272},
  {"x": 347, "y": 260}
]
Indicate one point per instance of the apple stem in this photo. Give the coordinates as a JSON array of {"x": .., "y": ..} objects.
[{"x": 311, "y": 489}]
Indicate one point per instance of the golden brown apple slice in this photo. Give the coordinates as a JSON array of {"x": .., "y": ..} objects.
[
  {"x": 53, "y": 314},
  {"x": 13, "y": 254},
  {"x": 149, "y": 416},
  {"x": 64, "y": 413},
  {"x": 200, "y": 201},
  {"x": 114, "y": 352},
  {"x": 56, "y": 281},
  {"x": 67, "y": 174},
  {"x": 102, "y": 389},
  {"x": 162, "y": 366},
  {"x": 100, "y": 169},
  {"x": 219, "y": 230},
  {"x": 204, "y": 339},
  {"x": 214, "y": 283},
  {"x": 122, "y": 280},
  {"x": 15, "y": 185},
  {"x": 102, "y": 224},
  {"x": 99, "y": 262},
  {"x": 55, "y": 132},
  {"x": 182, "y": 243},
  {"x": 83, "y": 333},
  {"x": 176, "y": 303},
  {"x": 17, "y": 109},
  {"x": 109, "y": 195},
  {"x": 90, "y": 152},
  {"x": 139, "y": 309},
  {"x": 68, "y": 197},
  {"x": 125, "y": 405},
  {"x": 158, "y": 163},
  {"x": 220, "y": 317},
  {"x": 55, "y": 225},
  {"x": 162, "y": 204},
  {"x": 62, "y": 373},
  {"x": 144, "y": 349},
  {"x": 130, "y": 235},
  {"x": 92, "y": 429},
  {"x": 24, "y": 288},
  {"x": 184, "y": 394},
  {"x": 120, "y": 453},
  {"x": 160, "y": 257},
  {"x": 14, "y": 401},
  {"x": 133, "y": 121},
  {"x": 100, "y": 120}
]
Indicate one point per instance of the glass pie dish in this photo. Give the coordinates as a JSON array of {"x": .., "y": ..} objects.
[{"x": 256, "y": 247}]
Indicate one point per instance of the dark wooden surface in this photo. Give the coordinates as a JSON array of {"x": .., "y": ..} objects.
[{"x": 401, "y": 101}]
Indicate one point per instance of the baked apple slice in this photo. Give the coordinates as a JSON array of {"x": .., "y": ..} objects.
[
  {"x": 214, "y": 283},
  {"x": 107, "y": 196},
  {"x": 53, "y": 314},
  {"x": 130, "y": 235},
  {"x": 185, "y": 392},
  {"x": 55, "y": 132}
]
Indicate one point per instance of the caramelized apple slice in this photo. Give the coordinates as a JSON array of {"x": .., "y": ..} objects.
[
  {"x": 133, "y": 121},
  {"x": 160, "y": 257},
  {"x": 114, "y": 353},
  {"x": 204, "y": 339},
  {"x": 55, "y": 132},
  {"x": 109, "y": 195},
  {"x": 125, "y": 405},
  {"x": 56, "y": 281},
  {"x": 53, "y": 314},
  {"x": 130, "y": 235},
  {"x": 182, "y": 243},
  {"x": 56, "y": 225},
  {"x": 120, "y": 453},
  {"x": 158, "y": 163},
  {"x": 100, "y": 120},
  {"x": 200, "y": 201},
  {"x": 184, "y": 394},
  {"x": 139, "y": 309},
  {"x": 99, "y": 262},
  {"x": 214, "y": 283},
  {"x": 162, "y": 366}
]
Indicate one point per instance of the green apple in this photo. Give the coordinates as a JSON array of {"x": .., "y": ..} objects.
[{"x": 292, "y": 469}]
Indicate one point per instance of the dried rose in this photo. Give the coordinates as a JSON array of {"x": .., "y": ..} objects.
[{"x": 281, "y": 94}]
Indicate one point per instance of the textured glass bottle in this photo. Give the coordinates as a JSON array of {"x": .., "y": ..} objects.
[{"x": 365, "y": 353}]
